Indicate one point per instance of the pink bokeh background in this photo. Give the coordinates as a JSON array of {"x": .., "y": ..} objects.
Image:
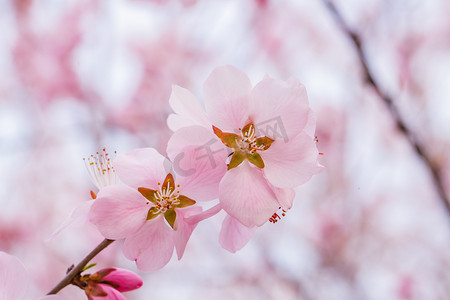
[{"x": 81, "y": 75}]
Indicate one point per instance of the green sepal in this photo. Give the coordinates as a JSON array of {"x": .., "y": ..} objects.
[
  {"x": 237, "y": 158},
  {"x": 152, "y": 213},
  {"x": 264, "y": 143},
  {"x": 256, "y": 159},
  {"x": 97, "y": 291},
  {"x": 246, "y": 129},
  {"x": 102, "y": 273},
  {"x": 170, "y": 216},
  {"x": 149, "y": 194},
  {"x": 169, "y": 182},
  {"x": 88, "y": 267},
  {"x": 94, "y": 289},
  {"x": 228, "y": 139},
  {"x": 185, "y": 201}
]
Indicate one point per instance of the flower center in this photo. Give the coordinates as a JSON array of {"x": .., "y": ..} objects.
[
  {"x": 247, "y": 141},
  {"x": 246, "y": 145},
  {"x": 165, "y": 200}
]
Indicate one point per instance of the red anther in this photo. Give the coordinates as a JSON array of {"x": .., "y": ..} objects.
[
  {"x": 321, "y": 153},
  {"x": 93, "y": 195},
  {"x": 275, "y": 217}
]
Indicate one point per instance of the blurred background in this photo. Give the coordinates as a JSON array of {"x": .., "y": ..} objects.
[{"x": 80, "y": 75}]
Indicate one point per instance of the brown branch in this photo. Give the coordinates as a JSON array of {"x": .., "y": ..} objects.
[
  {"x": 401, "y": 125},
  {"x": 74, "y": 272}
]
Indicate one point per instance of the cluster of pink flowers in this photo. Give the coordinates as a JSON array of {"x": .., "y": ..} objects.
[
  {"x": 248, "y": 148},
  {"x": 247, "y": 151}
]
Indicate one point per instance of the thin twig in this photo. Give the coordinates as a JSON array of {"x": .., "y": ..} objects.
[
  {"x": 75, "y": 271},
  {"x": 399, "y": 122}
]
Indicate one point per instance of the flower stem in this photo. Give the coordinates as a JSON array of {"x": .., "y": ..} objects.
[{"x": 74, "y": 272}]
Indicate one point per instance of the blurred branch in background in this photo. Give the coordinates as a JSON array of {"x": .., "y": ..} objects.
[{"x": 434, "y": 168}]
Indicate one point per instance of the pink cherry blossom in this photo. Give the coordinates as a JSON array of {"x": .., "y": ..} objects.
[
  {"x": 267, "y": 129},
  {"x": 14, "y": 279},
  {"x": 108, "y": 284},
  {"x": 151, "y": 210},
  {"x": 102, "y": 174}
]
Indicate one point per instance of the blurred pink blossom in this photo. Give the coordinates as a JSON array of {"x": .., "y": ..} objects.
[
  {"x": 44, "y": 60},
  {"x": 185, "y": 3},
  {"x": 167, "y": 60},
  {"x": 21, "y": 9},
  {"x": 406, "y": 287},
  {"x": 14, "y": 279}
]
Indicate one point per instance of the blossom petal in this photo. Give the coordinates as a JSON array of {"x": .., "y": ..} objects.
[
  {"x": 233, "y": 235},
  {"x": 151, "y": 246},
  {"x": 226, "y": 93},
  {"x": 285, "y": 197},
  {"x": 143, "y": 167},
  {"x": 118, "y": 211},
  {"x": 246, "y": 195},
  {"x": 112, "y": 294},
  {"x": 51, "y": 297},
  {"x": 78, "y": 217},
  {"x": 199, "y": 171},
  {"x": 291, "y": 164},
  {"x": 188, "y": 108},
  {"x": 199, "y": 161},
  {"x": 126, "y": 280},
  {"x": 13, "y": 277},
  {"x": 310, "y": 127},
  {"x": 184, "y": 230},
  {"x": 279, "y": 109},
  {"x": 176, "y": 122},
  {"x": 194, "y": 219},
  {"x": 198, "y": 136}
]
